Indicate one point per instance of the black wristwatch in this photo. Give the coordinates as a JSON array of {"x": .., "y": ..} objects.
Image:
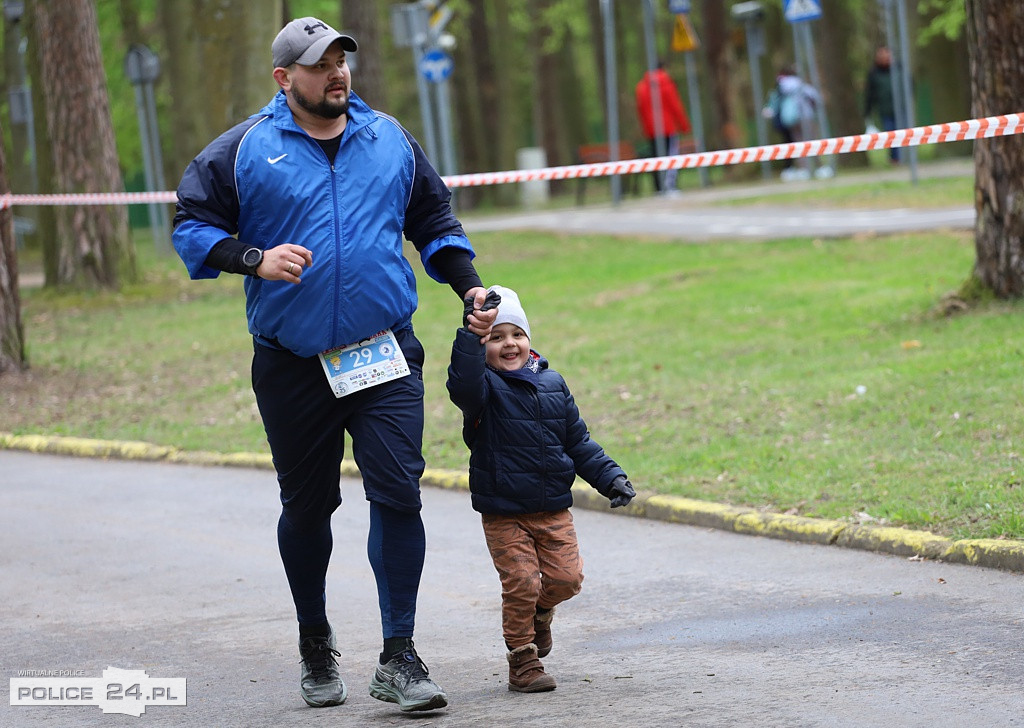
[{"x": 251, "y": 260}]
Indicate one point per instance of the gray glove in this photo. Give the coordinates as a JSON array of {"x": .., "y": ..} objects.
[{"x": 621, "y": 492}]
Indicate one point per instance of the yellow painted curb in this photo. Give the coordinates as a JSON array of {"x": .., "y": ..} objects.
[
  {"x": 1007, "y": 554},
  {"x": 897, "y": 541},
  {"x": 792, "y": 528},
  {"x": 995, "y": 553},
  {"x": 82, "y": 447},
  {"x": 448, "y": 479}
]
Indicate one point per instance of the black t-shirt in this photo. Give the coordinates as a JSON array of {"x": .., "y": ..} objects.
[{"x": 330, "y": 146}]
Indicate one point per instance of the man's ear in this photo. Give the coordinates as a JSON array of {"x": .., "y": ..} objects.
[{"x": 283, "y": 78}]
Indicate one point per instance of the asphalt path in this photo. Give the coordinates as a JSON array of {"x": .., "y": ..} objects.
[
  {"x": 661, "y": 218},
  {"x": 173, "y": 569}
]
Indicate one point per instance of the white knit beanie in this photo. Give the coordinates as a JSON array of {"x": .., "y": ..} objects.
[{"x": 510, "y": 311}]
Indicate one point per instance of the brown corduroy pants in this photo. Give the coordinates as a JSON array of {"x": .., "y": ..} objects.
[{"x": 538, "y": 561}]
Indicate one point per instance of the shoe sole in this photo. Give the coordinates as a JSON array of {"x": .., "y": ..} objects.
[
  {"x": 534, "y": 688},
  {"x": 383, "y": 692},
  {"x": 326, "y": 703}
]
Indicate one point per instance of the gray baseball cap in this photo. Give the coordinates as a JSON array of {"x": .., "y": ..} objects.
[{"x": 304, "y": 40}]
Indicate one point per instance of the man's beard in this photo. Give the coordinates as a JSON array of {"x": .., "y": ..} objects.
[{"x": 323, "y": 108}]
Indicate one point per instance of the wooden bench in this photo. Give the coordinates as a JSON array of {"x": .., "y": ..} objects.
[{"x": 599, "y": 153}]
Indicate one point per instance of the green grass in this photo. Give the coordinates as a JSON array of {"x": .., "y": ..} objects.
[
  {"x": 870, "y": 193},
  {"x": 725, "y": 372}
]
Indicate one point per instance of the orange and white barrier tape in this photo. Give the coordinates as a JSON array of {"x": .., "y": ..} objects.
[
  {"x": 955, "y": 131},
  {"x": 934, "y": 134},
  {"x": 89, "y": 198}
]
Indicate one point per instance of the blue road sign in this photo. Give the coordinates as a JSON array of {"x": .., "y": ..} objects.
[
  {"x": 436, "y": 65},
  {"x": 799, "y": 10},
  {"x": 679, "y": 7}
]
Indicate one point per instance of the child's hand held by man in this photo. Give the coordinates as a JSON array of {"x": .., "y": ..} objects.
[{"x": 469, "y": 309}]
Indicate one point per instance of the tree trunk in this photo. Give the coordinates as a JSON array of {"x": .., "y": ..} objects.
[
  {"x": 631, "y": 64},
  {"x": 573, "y": 110},
  {"x": 469, "y": 88},
  {"x": 504, "y": 59},
  {"x": 234, "y": 70},
  {"x": 839, "y": 87},
  {"x": 23, "y": 175},
  {"x": 995, "y": 32},
  {"x": 943, "y": 87},
  {"x": 128, "y": 13},
  {"x": 549, "y": 122},
  {"x": 192, "y": 125},
  {"x": 46, "y": 183},
  {"x": 361, "y": 20},
  {"x": 16, "y": 84},
  {"x": 722, "y": 64},
  {"x": 12, "y": 335},
  {"x": 484, "y": 138},
  {"x": 218, "y": 68},
  {"x": 94, "y": 246},
  {"x": 595, "y": 20},
  {"x": 252, "y": 84}
]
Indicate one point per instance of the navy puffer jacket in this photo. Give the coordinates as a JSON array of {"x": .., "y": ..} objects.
[{"x": 526, "y": 438}]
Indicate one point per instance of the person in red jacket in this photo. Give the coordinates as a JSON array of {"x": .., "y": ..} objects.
[{"x": 664, "y": 101}]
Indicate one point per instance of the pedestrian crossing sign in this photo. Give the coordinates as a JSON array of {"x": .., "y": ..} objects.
[
  {"x": 799, "y": 10},
  {"x": 684, "y": 37}
]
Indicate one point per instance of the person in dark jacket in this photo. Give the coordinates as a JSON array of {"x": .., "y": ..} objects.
[
  {"x": 878, "y": 96},
  {"x": 309, "y": 200},
  {"x": 527, "y": 444}
]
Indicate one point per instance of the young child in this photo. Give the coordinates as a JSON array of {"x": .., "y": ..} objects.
[{"x": 527, "y": 444}]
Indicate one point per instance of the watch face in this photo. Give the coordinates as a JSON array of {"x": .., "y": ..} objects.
[{"x": 252, "y": 257}]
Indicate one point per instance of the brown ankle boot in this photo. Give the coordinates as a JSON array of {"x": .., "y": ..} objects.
[
  {"x": 526, "y": 672},
  {"x": 542, "y": 632}
]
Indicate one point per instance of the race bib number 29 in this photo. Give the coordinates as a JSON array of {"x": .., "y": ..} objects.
[{"x": 364, "y": 364}]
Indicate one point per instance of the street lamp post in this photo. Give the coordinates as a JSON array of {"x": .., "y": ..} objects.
[
  {"x": 611, "y": 93},
  {"x": 142, "y": 67},
  {"x": 751, "y": 13}
]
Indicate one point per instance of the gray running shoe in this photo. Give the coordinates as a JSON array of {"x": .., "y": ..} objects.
[
  {"x": 404, "y": 680},
  {"x": 321, "y": 684}
]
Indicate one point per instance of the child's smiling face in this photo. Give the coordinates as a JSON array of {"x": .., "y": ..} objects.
[{"x": 507, "y": 348}]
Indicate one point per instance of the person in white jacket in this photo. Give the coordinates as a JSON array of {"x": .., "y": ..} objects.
[{"x": 791, "y": 107}]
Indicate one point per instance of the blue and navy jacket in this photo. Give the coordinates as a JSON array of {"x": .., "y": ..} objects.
[
  {"x": 268, "y": 182},
  {"x": 526, "y": 438}
]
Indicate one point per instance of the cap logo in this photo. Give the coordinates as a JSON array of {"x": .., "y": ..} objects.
[{"x": 311, "y": 29}]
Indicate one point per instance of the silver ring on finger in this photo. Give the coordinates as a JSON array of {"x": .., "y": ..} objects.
[{"x": 290, "y": 267}]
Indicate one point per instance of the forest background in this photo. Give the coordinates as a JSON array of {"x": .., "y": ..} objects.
[{"x": 527, "y": 73}]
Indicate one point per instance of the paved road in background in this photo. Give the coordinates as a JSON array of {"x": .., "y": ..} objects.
[
  {"x": 693, "y": 216},
  {"x": 173, "y": 569}
]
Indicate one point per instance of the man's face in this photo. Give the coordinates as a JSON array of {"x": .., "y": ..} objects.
[{"x": 322, "y": 89}]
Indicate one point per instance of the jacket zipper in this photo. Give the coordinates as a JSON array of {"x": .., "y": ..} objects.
[
  {"x": 337, "y": 247},
  {"x": 535, "y": 394},
  {"x": 336, "y": 307}
]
